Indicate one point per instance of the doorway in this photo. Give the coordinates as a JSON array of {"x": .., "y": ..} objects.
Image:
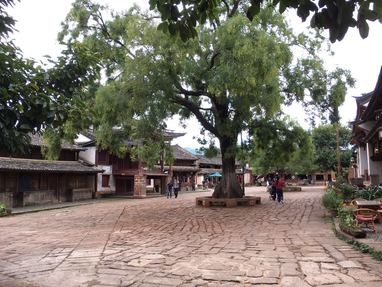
[{"x": 124, "y": 185}]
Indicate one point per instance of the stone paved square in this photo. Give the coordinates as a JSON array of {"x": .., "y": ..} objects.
[{"x": 171, "y": 242}]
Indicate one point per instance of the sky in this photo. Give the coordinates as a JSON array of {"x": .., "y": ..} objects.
[{"x": 38, "y": 23}]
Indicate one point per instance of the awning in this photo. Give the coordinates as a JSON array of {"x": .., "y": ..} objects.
[{"x": 215, "y": 174}]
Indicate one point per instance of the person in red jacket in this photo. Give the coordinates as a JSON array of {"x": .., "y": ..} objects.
[{"x": 280, "y": 184}]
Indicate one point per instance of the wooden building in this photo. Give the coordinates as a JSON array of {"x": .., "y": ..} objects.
[
  {"x": 367, "y": 135},
  {"x": 125, "y": 176},
  {"x": 27, "y": 179},
  {"x": 184, "y": 168},
  {"x": 25, "y": 182}
]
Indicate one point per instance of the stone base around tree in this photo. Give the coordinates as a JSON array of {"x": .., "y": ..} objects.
[
  {"x": 207, "y": 201},
  {"x": 292, "y": 188}
]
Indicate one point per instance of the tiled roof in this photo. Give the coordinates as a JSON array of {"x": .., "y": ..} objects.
[
  {"x": 171, "y": 135},
  {"x": 181, "y": 153},
  {"x": 217, "y": 160},
  {"x": 185, "y": 168},
  {"x": 21, "y": 164},
  {"x": 36, "y": 141},
  {"x": 364, "y": 98}
]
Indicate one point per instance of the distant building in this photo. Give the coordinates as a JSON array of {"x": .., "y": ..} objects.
[
  {"x": 125, "y": 176},
  {"x": 184, "y": 168},
  {"x": 211, "y": 165}
]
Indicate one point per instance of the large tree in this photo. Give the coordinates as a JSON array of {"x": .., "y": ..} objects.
[
  {"x": 183, "y": 16},
  {"x": 324, "y": 140},
  {"x": 35, "y": 98},
  {"x": 281, "y": 145},
  {"x": 232, "y": 76}
]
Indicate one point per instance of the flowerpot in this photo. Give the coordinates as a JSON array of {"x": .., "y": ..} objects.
[{"x": 355, "y": 232}]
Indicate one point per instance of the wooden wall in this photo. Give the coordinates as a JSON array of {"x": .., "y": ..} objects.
[{"x": 35, "y": 188}]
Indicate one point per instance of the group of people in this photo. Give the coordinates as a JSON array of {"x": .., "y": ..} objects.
[
  {"x": 275, "y": 186},
  {"x": 173, "y": 186}
]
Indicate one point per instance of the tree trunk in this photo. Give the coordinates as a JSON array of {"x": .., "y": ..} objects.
[{"x": 229, "y": 186}]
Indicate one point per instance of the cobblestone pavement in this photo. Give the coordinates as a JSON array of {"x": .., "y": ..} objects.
[{"x": 171, "y": 242}]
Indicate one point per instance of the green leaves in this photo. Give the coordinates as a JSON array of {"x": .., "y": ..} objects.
[
  {"x": 334, "y": 15},
  {"x": 254, "y": 9},
  {"x": 324, "y": 139}
]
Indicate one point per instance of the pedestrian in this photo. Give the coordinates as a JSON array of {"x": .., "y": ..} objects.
[
  {"x": 279, "y": 189},
  {"x": 274, "y": 188},
  {"x": 169, "y": 189},
  {"x": 176, "y": 187}
]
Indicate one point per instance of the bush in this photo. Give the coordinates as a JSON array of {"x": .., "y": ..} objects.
[
  {"x": 346, "y": 218},
  {"x": 331, "y": 200},
  {"x": 347, "y": 191},
  {"x": 3, "y": 209},
  {"x": 370, "y": 193},
  {"x": 339, "y": 181}
]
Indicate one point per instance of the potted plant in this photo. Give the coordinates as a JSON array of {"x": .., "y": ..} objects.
[
  {"x": 332, "y": 201},
  {"x": 370, "y": 193},
  {"x": 347, "y": 192},
  {"x": 347, "y": 222}
]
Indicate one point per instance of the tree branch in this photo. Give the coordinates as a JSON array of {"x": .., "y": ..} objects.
[
  {"x": 108, "y": 35},
  {"x": 212, "y": 63},
  {"x": 185, "y": 92},
  {"x": 234, "y": 8},
  {"x": 196, "y": 111},
  {"x": 226, "y": 6}
]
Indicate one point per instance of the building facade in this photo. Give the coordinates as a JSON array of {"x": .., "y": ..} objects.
[
  {"x": 27, "y": 179},
  {"x": 367, "y": 135}
]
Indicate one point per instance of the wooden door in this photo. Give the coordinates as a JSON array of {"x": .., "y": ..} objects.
[{"x": 124, "y": 185}]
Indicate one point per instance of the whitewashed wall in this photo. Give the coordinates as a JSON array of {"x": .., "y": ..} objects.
[
  {"x": 89, "y": 155},
  {"x": 108, "y": 170}
]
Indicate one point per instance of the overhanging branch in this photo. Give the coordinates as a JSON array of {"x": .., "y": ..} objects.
[{"x": 196, "y": 111}]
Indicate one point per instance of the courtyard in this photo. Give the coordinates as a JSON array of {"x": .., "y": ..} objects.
[{"x": 171, "y": 242}]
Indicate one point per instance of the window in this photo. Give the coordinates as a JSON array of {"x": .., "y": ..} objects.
[
  {"x": 103, "y": 157},
  {"x": 105, "y": 180}
]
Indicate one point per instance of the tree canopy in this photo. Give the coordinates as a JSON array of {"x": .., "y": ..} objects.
[
  {"x": 232, "y": 77},
  {"x": 34, "y": 98},
  {"x": 324, "y": 140},
  {"x": 183, "y": 16},
  {"x": 281, "y": 145}
]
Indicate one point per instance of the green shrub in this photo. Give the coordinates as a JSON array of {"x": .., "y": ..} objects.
[
  {"x": 339, "y": 181},
  {"x": 369, "y": 193},
  {"x": 347, "y": 191},
  {"x": 331, "y": 200},
  {"x": 346, "y": 218},
  {"x": 3, "y": 209}
]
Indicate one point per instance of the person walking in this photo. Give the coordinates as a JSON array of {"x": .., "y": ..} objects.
[
  {"x": 169, "y": 189},
  {"x": 280, "y": 184},
  {"x": 176, "y": 187},
  {"x": 274, "y": 188}
]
